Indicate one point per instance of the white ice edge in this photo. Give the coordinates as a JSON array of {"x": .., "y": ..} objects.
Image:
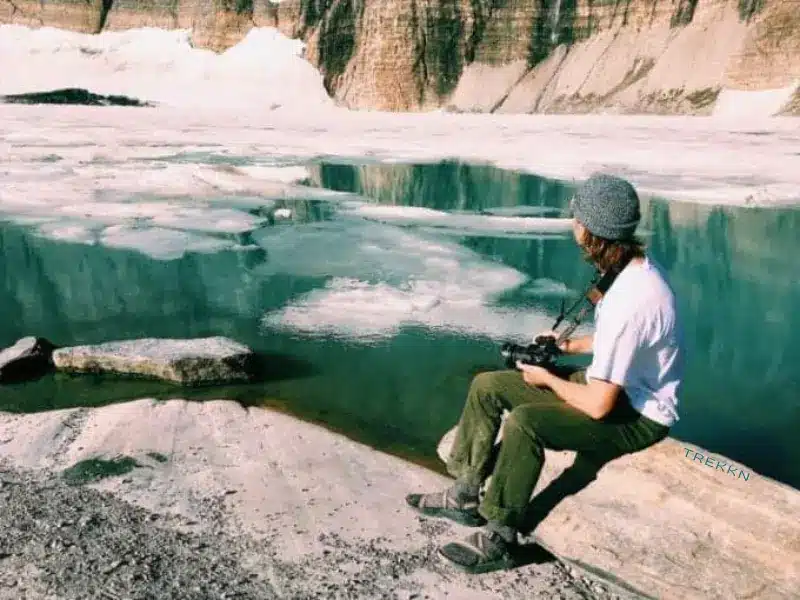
[{"x": 465, "y": 223}]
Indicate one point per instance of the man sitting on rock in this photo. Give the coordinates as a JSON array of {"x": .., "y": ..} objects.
[{"x": 624, "y": 402}]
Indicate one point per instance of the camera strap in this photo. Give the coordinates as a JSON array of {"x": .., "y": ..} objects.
[{"x": 600, "y": 284}]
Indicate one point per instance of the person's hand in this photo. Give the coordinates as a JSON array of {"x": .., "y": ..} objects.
[{"x": 533, "y": 375}]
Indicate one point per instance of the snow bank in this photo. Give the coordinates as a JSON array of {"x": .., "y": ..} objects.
[
  {"x": 263, "y": 72},
  {"x": 744, "y": 104}
]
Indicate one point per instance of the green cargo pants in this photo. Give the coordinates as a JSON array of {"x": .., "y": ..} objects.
[{"x": 538, "y": 419}]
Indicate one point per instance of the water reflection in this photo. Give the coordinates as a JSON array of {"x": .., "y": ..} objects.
[
  {"x": 450, "y": 186},
  {"x": 734, "y": 270}
]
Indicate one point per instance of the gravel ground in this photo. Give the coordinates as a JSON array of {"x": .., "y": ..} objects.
[
  {"x": 64, "y": 541},
  {"x": 60, "y": 541}
]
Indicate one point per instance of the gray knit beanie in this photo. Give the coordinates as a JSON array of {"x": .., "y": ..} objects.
[{"x": 607, "y": 206}]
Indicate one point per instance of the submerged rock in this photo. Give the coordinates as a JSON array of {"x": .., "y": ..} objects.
[
  {"x": 72, "y": 96},
  {"x": 29, "y": 358},
  {"x": 191, "y": 361}
]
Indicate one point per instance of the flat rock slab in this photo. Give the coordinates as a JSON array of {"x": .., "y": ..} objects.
[
  {"x": 30, "y": 357},
  {"x": 678, "y": 527},
  {"x": 188, "y": 362}
]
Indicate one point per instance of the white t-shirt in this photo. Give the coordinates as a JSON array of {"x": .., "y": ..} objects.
[{"x": 638, "y": 342}]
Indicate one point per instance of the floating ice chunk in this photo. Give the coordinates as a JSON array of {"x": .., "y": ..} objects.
[
  {"x": 68, "y": 233},
  {"x": 288, "y": 174},
  {"x": 113, "y": 213},
  {"x": 248, "y": 203},
  {"x": 463, "y": 222},
  {"x": 382, "y": 278},
  {"x": 211, "y": 220},
  {"x": 162, "y": 244},
  {"x": 348, "y": 305},
  {"x": 364, "y": 312},
  {"x": 522, "y": 211},
  {"x": 241, "y": 181},
  {"x": 376, "y": 252}
]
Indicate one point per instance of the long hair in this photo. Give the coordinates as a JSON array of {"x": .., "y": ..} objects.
[{"x": 604, "y": 253}]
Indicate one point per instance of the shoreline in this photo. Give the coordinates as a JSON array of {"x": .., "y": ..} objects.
[
  {"x": 311, "y": 493},
  {"x": 310, "y": 513},
  {"x": 431, "y": 461}
]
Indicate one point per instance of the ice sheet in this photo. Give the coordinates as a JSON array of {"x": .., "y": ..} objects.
[
  {"x": 548, "y": 287},
  {"x": 692, "y": 159}
]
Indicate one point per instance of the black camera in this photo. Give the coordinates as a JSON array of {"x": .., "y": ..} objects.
[
  {"x": 544, "y": 350},
  {"x": 541, "y": 353}
]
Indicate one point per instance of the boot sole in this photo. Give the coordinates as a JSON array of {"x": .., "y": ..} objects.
[{"x": 503, "y": 564}]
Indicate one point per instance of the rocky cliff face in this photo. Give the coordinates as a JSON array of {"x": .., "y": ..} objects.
[
  {"x": 215, "y": 24},
  {"x": 643, "y": 56}
]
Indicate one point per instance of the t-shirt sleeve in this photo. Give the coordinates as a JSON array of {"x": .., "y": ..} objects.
[{"x": 615, "y": 345}]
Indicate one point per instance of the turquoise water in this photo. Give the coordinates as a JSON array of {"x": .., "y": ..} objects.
[{"x": 375, "y": 327}]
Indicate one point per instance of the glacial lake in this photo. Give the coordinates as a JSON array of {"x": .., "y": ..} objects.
[{"x": 375, "y": 322}]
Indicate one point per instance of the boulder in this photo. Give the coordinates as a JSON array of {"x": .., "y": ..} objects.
[
  {"x": 29, "y": 358},
  {"x": 187, "y": 362},
  {"x": 661, "y": 520}
]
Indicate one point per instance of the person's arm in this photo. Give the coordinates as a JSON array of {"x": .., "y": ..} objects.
[
  {"x": 615, "y": 346},
  {"x": 616, "y": 343},
  {"x": 596, "y": 398}
]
